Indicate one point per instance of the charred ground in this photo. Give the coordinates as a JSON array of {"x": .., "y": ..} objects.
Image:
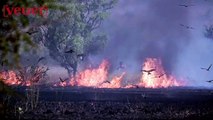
[{"x": 91, "y": 103}]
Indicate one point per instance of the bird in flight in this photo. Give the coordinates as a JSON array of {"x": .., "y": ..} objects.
[
  {"x": 186, "y": 26},
  {"x": 121, "y": 65},
  {"x": 70, "y": 51},
  {"x": 135, "y": 86},
  {"x": 209, "y": 81},
  {"x": 63, "y": 80},
  {"x": 40, "y": 59},
  {"x": 31, "y": 32},
  {"x": 207, "y": 69},
  {"x": 161, "y": 75},
  {"x": 148, "y": 71},
  {"x": 182, "y": 5},
  {"x": 106, "y": 82}
]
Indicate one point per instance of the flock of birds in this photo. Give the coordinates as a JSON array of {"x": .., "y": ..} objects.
[
  {"x": 190, "y": 27},
  {"x": 121, "y": 65},
  {"x": 152, "y": 70},
  {"x": 182, "y": 25},
  {"x": 208, "y": 69}
]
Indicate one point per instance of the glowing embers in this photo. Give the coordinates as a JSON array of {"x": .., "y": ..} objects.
[{"x": 154, "y": 76}]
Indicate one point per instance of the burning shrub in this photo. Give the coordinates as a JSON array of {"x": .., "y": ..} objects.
[{"x": 31, "y": 76}]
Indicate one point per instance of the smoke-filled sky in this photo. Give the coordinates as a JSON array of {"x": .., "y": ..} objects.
[{"x": 138, "y": 29}]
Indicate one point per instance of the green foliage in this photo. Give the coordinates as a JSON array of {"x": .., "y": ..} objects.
[
  {"x": 14, "y": 36},
  {"x": 13, "y": 29},
  {"x": 76, "y": 30}
]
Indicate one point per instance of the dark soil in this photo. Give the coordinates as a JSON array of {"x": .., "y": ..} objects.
[{"x": 114, "y": 111}]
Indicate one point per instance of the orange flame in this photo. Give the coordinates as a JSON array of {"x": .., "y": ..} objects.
[
  {"x": 98, "y": 77},
  {"x": 10, "y": 78},
  {"x": 157, "y": 78},
  {"x": 153, "y": 76},
  {"x": 93, "y": 77},
  {"x": 114, "y": 83}
]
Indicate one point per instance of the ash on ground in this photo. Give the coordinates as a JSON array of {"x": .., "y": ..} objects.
[{"x": 113, "y": 111}]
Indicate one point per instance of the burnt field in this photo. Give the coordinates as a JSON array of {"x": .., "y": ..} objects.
[
  {"x": 132, "y": 104},
  {"x": 175, "y": 94}
]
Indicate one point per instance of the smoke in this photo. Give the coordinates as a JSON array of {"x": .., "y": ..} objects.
[
  {"x": 199, "y": 52},
  {"x": 151, "y": 28},
  {"x": 138, "y": 29}
]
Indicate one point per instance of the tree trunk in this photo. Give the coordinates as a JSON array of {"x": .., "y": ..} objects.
[{"x": 71, "y": 74}]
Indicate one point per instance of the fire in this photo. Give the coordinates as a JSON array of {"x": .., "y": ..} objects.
[
  {"x": 153, "y": 76},
  {"x": 114, "y": 83},
  {"x": 93, "y": 77},
  {"x": 156, "y": 76},
  {"x": 10, "y": 78},
  {"x": 61, "y": 84},
  {"x": 98, "y": 77}
]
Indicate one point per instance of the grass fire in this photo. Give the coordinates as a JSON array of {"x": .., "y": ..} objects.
[
  {"x": 106, "y": 60},
  {"x": 99, "y": 77}
]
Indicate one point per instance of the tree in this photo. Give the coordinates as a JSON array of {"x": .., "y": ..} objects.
[
  {"x": 75, "y": 33},
  {"x": 14, "y": 30},
  {"x": 15, "y": 37}
]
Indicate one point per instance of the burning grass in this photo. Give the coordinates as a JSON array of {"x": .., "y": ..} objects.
[{"x": 153, "y": 75}]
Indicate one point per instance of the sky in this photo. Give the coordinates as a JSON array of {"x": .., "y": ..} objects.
[{"x": 138, "y": 29}]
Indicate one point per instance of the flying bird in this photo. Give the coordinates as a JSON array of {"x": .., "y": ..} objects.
[
  {"x": 106, "y": 82},
  {"x": 182, "y": 5},
  {"x": 135, "y": 86},
  {"x": 70, "y": 51},
  {"x": 40, "y": 59},
  {"x": 207, "y": 69},
  {"x": 47, "y": 69},
  {"x": 186, "y": 26},
  {"x": 148, "y": 71},
  {"x": 209, "y": 81},
  {"x": 161, "y": 75},
  {"x": 63, "y": 80},
  {"x": 31, "y": 32},
  {"x": 121, "y": 65}
]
